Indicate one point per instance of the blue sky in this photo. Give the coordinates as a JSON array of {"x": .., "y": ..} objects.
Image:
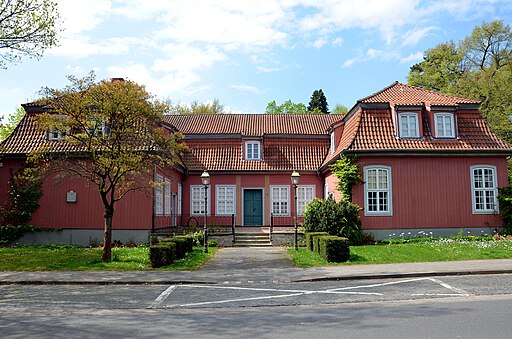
[{"x": 247, "y": 53}]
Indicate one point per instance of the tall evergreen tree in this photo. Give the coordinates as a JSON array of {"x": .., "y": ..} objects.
[{"x": 318, "y": 101}]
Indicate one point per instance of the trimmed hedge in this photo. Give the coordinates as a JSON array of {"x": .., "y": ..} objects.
[
  {"x": 333, "y": 248},
  {"x": 310, "y": 236},
  {"x": 162, "y": 254},
  {"x": 184, "y": 244}
]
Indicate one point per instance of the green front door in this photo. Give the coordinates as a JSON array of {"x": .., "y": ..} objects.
[{"x": 253, "y": 207}]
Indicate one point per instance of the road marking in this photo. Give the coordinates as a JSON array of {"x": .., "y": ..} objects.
[
  {"x": 161, "y": 298},
  {"x": 237, "y": 300},
  {"x": 450, "y": 287},
  {"x": 280, "y": 290},
  {"x": 377, "y": 285}
]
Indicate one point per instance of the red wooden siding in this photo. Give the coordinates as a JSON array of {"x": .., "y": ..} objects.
[
  {"x": 431, "y": 192},
  {"x": 246, "y": 181}
]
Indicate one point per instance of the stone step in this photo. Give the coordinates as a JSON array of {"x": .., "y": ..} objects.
[{"x": 252, "y": 240}]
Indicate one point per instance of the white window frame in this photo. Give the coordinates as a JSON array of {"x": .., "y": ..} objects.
[
  {"x": 199, "y": 200},
  {"x": 367, "y": 190},
  {"x": 282, "y": 203},
  {"x": 408, "y": 133},
  {"x": 250, "y": 145},
  {"x": 180, "y": 198},
  {"x": 167, "y": 197},
  {"x": 159, "y": 195},
  {"x": 302, "y": 201},
  {"x": 221, "y": 202},
  {"x": 333, "y": 142},
  {"x": 451, "y": 120},
  {"x": 57, "y": 135},
  {"x": 488, "y": 192}
]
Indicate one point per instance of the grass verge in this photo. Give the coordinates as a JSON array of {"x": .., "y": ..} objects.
[
  {"x": 436, "y": 250},
  {"x": 75, "y": 258}
]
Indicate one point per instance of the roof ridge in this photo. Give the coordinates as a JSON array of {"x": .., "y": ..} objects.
[{"x": 378, "y": 92}]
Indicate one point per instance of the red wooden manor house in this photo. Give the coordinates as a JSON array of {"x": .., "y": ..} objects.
[{"x": 430, "y": 165}]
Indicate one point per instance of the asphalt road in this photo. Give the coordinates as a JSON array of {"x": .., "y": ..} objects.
[{"x": 440, "y": 307}]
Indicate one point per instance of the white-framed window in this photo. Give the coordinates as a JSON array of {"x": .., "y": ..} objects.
[
  {"x": 225, "y": 199},
  {"x": 55, "y": 134},
  {"x": 377, "y": 190},
  {"x": 158, "y": 195},
  {"x": 197, "y": 200},
  {"x": 484, "y": 189},
  {"x": 180, "y": 198},
  {"x": 333, "y": 143},
  {"x": 253, "y": 150},
  {"x": 408, "y": 125},
  {"x": 445, "y": 127},
  {"x": 167, "y": 197},
  {"x": 96, "y": 128},
  {"x": 280, "y": 200},
  {"x": 305, "y": 195}
]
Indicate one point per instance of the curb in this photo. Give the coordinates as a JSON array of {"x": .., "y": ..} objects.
[{"x": 283, "y": 281}]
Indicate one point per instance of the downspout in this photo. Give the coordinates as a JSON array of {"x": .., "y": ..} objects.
[{"x": 153, "y": 216}]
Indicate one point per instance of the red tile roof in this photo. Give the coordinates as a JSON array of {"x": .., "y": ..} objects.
[
  {"x": 28, "y": 137},
  {"x": 374, "y": 131},
  {"x": 401, "y": 94},
  {"x": 253, "y": 124},
  {"x": 278, "y": 155}
]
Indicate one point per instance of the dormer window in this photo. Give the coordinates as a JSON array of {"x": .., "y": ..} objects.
[
  {"x": 54, "y": 134},
  {"x": 408, "y": 125},
  {"x": 333, "y": 143},
  {"x": 444, "y": 125},
  {"x": 253, "y": 150}
]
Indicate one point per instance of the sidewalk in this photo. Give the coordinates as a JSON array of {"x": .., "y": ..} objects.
[{"x": 259, "y": 265}]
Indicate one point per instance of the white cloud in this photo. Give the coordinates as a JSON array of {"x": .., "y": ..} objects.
[
  {"x": 337, "y": 42},
  {"x": 319, "y": 43},
  {"x": 412, "y": 37},
  {"x": 412, "y": 58},
  {"x": 183, "y": 57},
  {"x": 80, "y": 16}
]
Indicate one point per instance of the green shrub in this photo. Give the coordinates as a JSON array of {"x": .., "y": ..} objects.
[
  {"x": 309, "y": 238},
  {"x": 213, "y": 243},
  {"x": 183, "y": 244},
  {"x": 505, "y": 199},
  {"x": 162, "y": 254},
  {"x": 336, "y": 218},
  {"x": 316, "y": 241},
  {"x": 10, "y": 233},
  {"x": 333, "y": 248}
]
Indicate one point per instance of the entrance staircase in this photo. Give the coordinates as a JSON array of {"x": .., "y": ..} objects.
[{"x": 251, "y": 237}]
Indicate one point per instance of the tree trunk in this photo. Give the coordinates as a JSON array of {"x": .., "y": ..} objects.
[{"x": 107, "y": 235}]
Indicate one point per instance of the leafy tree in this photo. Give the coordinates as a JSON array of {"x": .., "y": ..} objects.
[
  {"x": 340, "y": 109},
  {"x": 441, "y": 67},
  {"x": 116, "y": 127},
  {"x": 215, "y": 107},
  {"x": 12, "y": 122},
  {"x": 27, "y": 28},
  {"x": 318, "y": 101},
  {"x": 478, "y": 67},
  {"x": 288, "y": 107}
]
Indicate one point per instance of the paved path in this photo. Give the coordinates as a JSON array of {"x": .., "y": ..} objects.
[{"x": 249, "y": 258}]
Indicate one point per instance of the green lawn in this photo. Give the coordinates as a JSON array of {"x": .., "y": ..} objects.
[
  {"x": 74, "y": 258},
  {"x": 435, "y": 250}
]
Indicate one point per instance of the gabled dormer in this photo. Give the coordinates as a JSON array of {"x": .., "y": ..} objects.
[{"x": 252, "y": 149}]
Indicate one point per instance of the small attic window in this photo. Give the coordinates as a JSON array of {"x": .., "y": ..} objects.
[
  {"x": 444, "y": 125},
  {"x": 333, "y": 143},
  {"x": 408, "y": 125},
  {"x": 252, "y": 150}
]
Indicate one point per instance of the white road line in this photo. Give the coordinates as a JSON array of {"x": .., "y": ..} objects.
[
  {"x": 280, "y": 290},
  {"x": 450, "y": 287},
  {"x": 237, "y": 300},
  {"x": 161, "y": 298},
  {"x": 377, "y": 285}
]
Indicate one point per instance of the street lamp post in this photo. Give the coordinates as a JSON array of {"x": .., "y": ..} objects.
[
  {"x": 205, "y": 179},
  {"x": 295, "y": 183}
]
